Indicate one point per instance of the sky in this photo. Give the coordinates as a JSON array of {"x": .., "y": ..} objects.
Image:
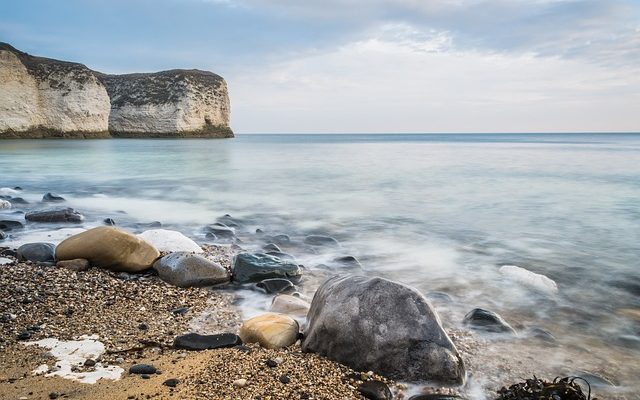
[{"x": 359, "y": 66}]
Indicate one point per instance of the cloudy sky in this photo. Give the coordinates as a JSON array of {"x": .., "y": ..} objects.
[{"x": 368, "y": 65}]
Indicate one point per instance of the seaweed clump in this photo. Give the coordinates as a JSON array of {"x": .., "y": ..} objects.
[{"x": 538, "y": 389}]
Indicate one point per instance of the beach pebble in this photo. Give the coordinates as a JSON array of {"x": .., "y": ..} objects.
[
  {"x": 348, "y": 262},
  {"x": 375, "y": 390},
  {"x": 186, "y": 269},
  {"x": 170, "y": 241},
  {"x": 4, "y": 204},
  {"x": 230, "y": 221},
  {"x": 321, "y": 241},
  {"x": 270, "y": 330},
  {"x": 55, "y": 215},
  {"x": 254, "y": 267},
  {"x": 142, "y": 369},
  {"x": 240, "y": 383},
  {"x": 172, "y": 382},
  {"x": 37, "y": 252},
  {"x": 52, "y": 198},
  {"x": 360, "y": 321},
  {"x": 109, "y": 247},
  {"x": 78, "y": 264},
  {"x": 195, "y": 341},
  {"x": 109, "y": 222},
  {"x": 276, "y": 285},
  {"x": 284, "y": 379},
  {"x": 488, "y": 321}
]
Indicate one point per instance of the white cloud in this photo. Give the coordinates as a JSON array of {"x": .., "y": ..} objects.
[{"x": 403, "y": 80}]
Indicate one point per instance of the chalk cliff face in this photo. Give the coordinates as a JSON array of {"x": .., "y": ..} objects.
[
  {"x": 189, "y": 103},
  {"x": 41, "y": 97}
]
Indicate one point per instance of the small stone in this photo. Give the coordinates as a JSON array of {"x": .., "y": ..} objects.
[
  {"x": 53, "y": 395},
  {"x": 143, "y": 327},
  {"x": 52, "y": 198},
  {"x": 142, "y": 369},
  {"x": 284, "y": 379},
  {"x": 145, "y": 376},
  {"x": 271, "y": 363},
  {"x": 24, "y": 335},
  {"x": 109, "y": 222},
  {"x": 279, "y": 360},
  {"x": 180, "y": 311},
  {"x": 173, "y": 382},
  {"x": 89, "y": 362},
  {"x": 240, "y": 383},
  {"x": 195, "y": 341},
  {"x": 375, "y": 390}
]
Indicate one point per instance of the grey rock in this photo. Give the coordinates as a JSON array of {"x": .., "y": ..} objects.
[
  {"x": 321, "y": 241},
  {"x": 271, "y": 247},
  {"x": 8, "y": 225},
  {"x": 230, "y": 221},
  {"x": 254, "y": 267},
  {"x": 186, "y": 269},
  {"x": 221, "y": 231},
  {"x": 380, "y": 325},
  {"x": 195, "y": 341},
  {"x": 142, "y": 369},
  {"x": 3, "y": 235},
  {"x": 488, "y": 321},
  {"x": 52, "y": 198},
  {"x": 375, "y": 390},
  {"x": 37, "y": 252},
  {"x": 348, "y": 262},
  {"x": 109, "y": 222},
  {"x": 55, "y": 215},
  {"x": 276, "y": 285},
  {"x": 18, "y": 200}
]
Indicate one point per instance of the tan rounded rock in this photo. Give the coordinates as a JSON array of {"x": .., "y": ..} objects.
[
  {"x": 110, "y": 248},
  {"x": 270, "y": 330},
  {"x": 292, "y": 305}
]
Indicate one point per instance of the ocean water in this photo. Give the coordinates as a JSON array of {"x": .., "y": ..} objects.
[{"x": 442, "y": 213}]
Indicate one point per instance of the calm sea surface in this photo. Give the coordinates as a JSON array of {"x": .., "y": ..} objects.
[{"x": 439, "y": 212}]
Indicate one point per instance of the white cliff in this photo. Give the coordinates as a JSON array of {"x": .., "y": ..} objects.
[
  {"x": 41, "y": 97},
  {"x": 188, "y": 103}
]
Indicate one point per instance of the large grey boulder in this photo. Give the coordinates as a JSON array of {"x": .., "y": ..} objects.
[
  {"x": 384, "y": 326},
  {"x": 186, "y": 269}
]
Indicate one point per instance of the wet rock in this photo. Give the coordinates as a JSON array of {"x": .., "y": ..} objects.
[
  {"x": 229, "y": 221},
  {"x": 375, "y": 390},
  {"x": 270, "y": 363},
  {"x": 541, "y": 334},
  {"x": 271, "y": 247},
  {"x": 79, "y": 264},
  {"x": 440, "y": 297},
  {"x": 186, "y": 269},
  {"x": 253, "y": 267},
  {"x": 280, "y": 239},
  {"x": 321, "y": 241},
  {"x": 8, "y": 225},
  {"x": 55, "y": 215},
  {"x": 142, "y": 369},
  {"x": 24, "y": 335},
  {"x": 147, "y": 225},
  {"x": 281, "y": 255},
  {"x": 3, "y": 235},
  {"x": 109, "y": 222},
  {"x": 18, "y": 200},
  {"x": 52, "y": 198},
  {"x": 172, "y": 382},
  {"x": 380, "y": 325},
  {"x": 37, "y": 252},
  {"x": 5, "y": 205},
  {"x": 89, "y": 362},
  {"x": 348, "y": 262},
  {"x": 170, "y": 241},
  {"x": 180, "y": 311},
  {"x": 195, "y": 341},
  {"x": 270, "y": 330},
  {"x": 287, "y": 304},
  {"x": 109, "y": 247},
  {"x": 276, "y": 285},
  {"x": 221, "y": 231},
  {"x": 488, "y": 321},
  {"x": 284, "y": 379}
]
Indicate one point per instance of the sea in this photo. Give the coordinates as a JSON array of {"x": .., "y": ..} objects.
[{"x": 443, "y": 213}]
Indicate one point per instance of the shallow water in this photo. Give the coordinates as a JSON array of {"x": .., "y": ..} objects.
[{"x": 438, "y": 212}]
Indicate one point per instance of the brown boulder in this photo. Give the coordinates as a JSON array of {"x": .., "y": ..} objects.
[{"x": 109, "y": 247}]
